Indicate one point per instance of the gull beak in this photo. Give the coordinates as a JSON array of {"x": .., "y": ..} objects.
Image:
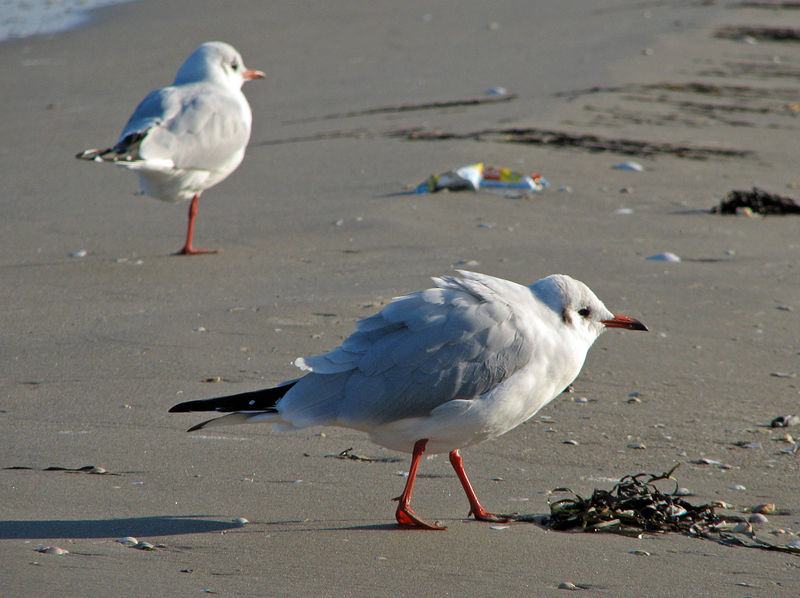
[
  {"x": 625, "y": 322},
  {"x": 251, "y": 74}
]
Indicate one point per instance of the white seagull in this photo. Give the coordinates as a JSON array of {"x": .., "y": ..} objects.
[
  {"x": 186, "y": 138},
  {"x": 439, "y": 370}
]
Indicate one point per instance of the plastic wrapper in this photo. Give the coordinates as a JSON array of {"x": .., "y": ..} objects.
[{"x": 478, "y": 176}]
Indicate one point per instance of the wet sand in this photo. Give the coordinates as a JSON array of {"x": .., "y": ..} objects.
[{"x": 316, "y": 233}]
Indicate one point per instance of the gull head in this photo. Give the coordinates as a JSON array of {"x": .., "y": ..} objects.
[
  {"x": 578, "y": 308},
  {"x": 216, "y": 62}
]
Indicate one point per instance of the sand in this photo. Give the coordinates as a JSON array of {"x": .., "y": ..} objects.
[{"x": 316, "y": 234}]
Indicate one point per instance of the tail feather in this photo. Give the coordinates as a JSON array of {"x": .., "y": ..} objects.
[
  {"x": 127, "y": 149},
  {"x": 255, "y": 400}
]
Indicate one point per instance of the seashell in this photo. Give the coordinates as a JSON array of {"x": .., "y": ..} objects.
[
  {"x": 128, "y": 541},
  {"x": 675, "y": 511},
  {"x": 757, "y": 518},
  {"x": 738, "y": 487},
  {"x": 240, "y": 521},
  {"x": 785, "y": 421},
  {"x": 567, "y": 585},
  {"x": 57, "y": 550},
  {"x": 666, "y": 256},
  {"x": 572, "y": 442},
  {"x": 742, "y": 528},
  {"x": 637, "y": 445},
  {"x": 623, "y": 211},
  {"x": 142, "y": 545},
  {"x": 683, "y": 492},
  {"x": 629, "y": 165},
  {"x": 764, "y": 508},
  {"x": 639, "y": 552},
  {"x": 79, "y": 253},
  {"x": 721, "y": 504}
]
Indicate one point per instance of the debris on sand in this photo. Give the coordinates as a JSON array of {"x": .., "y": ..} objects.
[
  {"x": 349, "y": 455},
  {"x": 756, "y": 201},
  {"x": 636, "y": 505},
  {"x": 775, "y": 34}
]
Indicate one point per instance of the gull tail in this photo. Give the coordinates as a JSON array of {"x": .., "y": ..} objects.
[
  {"x": 253, "y": 406},
  {"x": 125, "y": 151}
]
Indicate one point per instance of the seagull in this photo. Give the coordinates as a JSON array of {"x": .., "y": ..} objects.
[
  {"x": 186, "y": 138},
  {"x": 439, "y": 370}
]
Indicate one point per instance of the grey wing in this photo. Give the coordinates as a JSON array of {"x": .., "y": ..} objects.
[
  {"x": 194, "y": 126},
  {"x": 456, "y": 341}
]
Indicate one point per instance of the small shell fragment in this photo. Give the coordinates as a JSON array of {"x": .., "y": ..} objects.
[
  {"x": 758, "y": 518},
  {"x": 764, "y": 508},
  {"x": 128, "y": 541},
  {"x": 241, "y": 521},
  {"x": 639, "y": 552},
  {"x": 629, "y": 165},
  {"x": 567, "y": 585},
  {"x": 665, "y": 256},
  {"x": 738, "y": 487},
  {"x": 57, "y": 550},
  {"x": 142, "y": 545}
]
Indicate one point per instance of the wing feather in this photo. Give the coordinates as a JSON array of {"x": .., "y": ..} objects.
[{"x": 455, "y": 341}]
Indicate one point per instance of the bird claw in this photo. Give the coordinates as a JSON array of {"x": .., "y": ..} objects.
[
  {"x": 193, "y": 251},
  {"x": 408, "y": 518},
  {"x": 484, "y": 515}
]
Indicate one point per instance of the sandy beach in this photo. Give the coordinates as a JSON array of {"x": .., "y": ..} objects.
[{"x": 104, "y": 329}]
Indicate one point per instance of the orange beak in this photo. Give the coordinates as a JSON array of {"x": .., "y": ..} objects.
[
  {"x": 625, "y": 322},
  {"x": 251, "y": 74}
]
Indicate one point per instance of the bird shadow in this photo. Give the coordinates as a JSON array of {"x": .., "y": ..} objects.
[{"x": 164, "y": 525}]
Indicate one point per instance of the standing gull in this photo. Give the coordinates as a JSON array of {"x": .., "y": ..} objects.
[
  {"x": 439, "y": 370},
  {"x": 186, "y": 138}
]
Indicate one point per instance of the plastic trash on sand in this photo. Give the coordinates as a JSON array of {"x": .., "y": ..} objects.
[{"x": 477, "y": 176}]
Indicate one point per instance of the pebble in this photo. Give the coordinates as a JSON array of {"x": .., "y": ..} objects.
[
  {"x": 623, "y": 211},
  {"x": 567, "y": 585},
  {"x": 57, "y": 550},
  {"x": 629, "y": 165},
  {"x": 497, "y": 91},
  {"x": 683, "y": 492},
  {"x": 758, "y": 518},
  {"x": 639, "y": 552},
  {"x": 240, "y": 520},
  {"x": 666, "y": 256}
]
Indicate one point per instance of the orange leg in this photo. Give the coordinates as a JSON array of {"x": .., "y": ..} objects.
[
  {"x": 404, "y": 515},
  {"x": 187, "y": 248},
  {"x": 475, "y": 508}
]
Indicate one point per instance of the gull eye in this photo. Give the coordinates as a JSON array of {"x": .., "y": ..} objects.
[
  {"x": 584, "y": 312},
  {"x": 235, "y": 66}
]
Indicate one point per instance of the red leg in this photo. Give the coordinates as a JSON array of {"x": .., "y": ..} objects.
[
  {"x": 404, "y": 515},
  {"x": 475, "y": 508},
  {"x": 187, "y": 248}
]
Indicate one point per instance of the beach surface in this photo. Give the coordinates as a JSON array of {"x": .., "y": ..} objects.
[{"x": 104, "y": 329}]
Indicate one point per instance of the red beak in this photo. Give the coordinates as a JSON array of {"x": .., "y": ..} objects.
[
  {"x": 251, "y": 74},
  {"x": 625, "y": 322}
]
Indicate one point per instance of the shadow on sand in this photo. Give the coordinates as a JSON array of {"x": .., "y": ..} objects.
[{"x": 166, "y": 525}]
